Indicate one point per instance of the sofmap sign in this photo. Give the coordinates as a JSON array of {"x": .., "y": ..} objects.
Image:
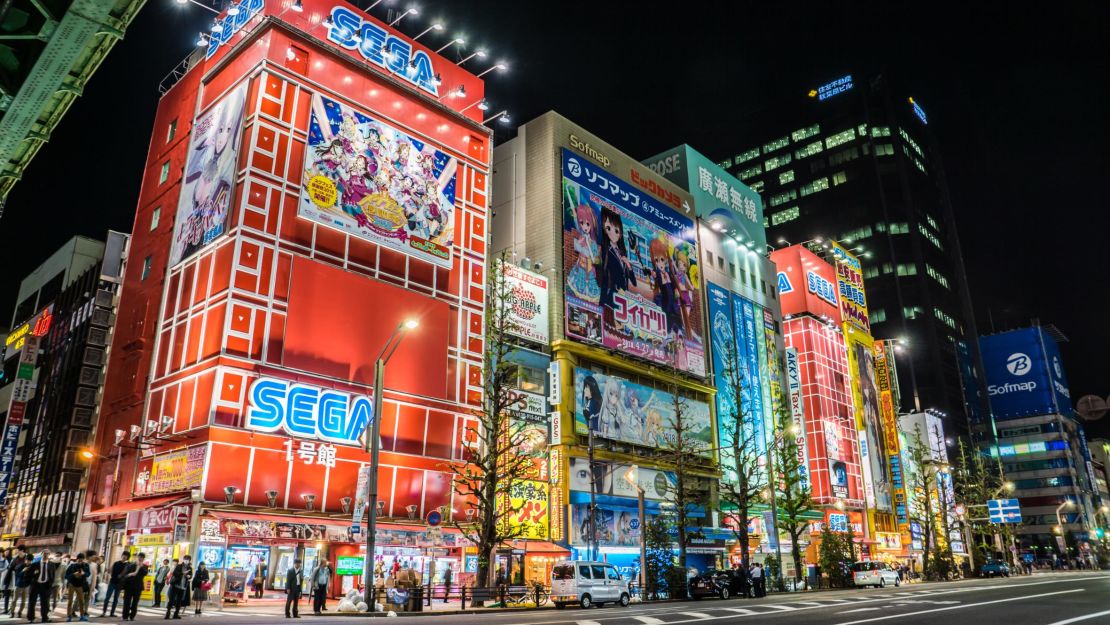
[
  {"x": 377, "y": 45},
  {"x": 307, "y": 411},
  {"x": 1023, "y": 374}
]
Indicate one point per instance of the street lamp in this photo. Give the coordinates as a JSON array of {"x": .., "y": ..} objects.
[
  {"x": 632, "y": 476},
  {"x": 373, "y": 445}
]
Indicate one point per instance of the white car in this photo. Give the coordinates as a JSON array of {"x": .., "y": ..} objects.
[
  {"x": 874, "y": 573},
  {"x": 587, "y": 583}
]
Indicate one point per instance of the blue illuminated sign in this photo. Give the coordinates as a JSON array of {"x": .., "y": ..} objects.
[
  {"x": 784, "y": 283},
  {"x": 231, "y": 24},
  {"x": 821, "y": 287},
  {"x": 381, "y": 48},
  {"x": 307, "y": 411},
  {"x": 1024, "y": 374},
  {"x": 836, "y": 87},
  {"x": 920, "y": 112},
  {"x": 1004, "y": 510}
]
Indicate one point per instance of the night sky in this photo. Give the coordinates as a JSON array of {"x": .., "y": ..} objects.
[{"x": 1017, "y": 99}]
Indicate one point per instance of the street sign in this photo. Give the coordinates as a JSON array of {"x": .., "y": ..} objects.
[
  {"x": 182, "y": 518},
  {"x": 1004, "y": 510},
  {"x": 356, "y": 529},
  {"x": 435, "y": 518}
]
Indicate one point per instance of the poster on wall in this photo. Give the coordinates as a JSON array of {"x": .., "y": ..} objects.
[
  {"x": 849, "y": 282},
  {"x": 873, "y": 438},
  {"x": 631, "y": 270},
  {"x": 527, "y": 300},
  {"x": 207, "y": 189},
  {"x": 616, "y": 527},
  {"x": 617, "y": 409},
  {"x": 528, "y": 517},
  {"x": 377, "y": 183},
  {"x": 609, "y": 479},
  {"x": 176, "y": 471}
]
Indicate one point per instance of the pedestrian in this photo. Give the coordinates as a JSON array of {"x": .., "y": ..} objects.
[
  {"x": 114, "y": 579},
  {"x": 499, "y": 581},
  {"x": 757, "y": 580},
  {"x": 93, "y": 561},
  {"x": 77, "y": 579},
  {"x": 201, "y": 586},
  {"x": 160, "y": 575},
  {"x": 294, "y": 577},
  {"x": 321, "y": 579},
  {"x": 6, "y": 578},
  {"x": 22, "y": 585},
  {"x": 132, "y": 584},
  {"x": 41, "y": 574},
  {"x": 447, "y": 583},
  {"x": 175, "y": 579},
  {"x": 260, "y": 575}
]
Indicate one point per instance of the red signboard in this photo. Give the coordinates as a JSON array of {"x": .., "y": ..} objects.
[{"x": 806, "y": 283}]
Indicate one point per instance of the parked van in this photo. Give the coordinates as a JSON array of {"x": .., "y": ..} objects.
[{"x": 587, "y": 583}]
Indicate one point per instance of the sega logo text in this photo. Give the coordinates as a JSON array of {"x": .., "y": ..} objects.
[
  {"x": 231, "y": 24},
  {"x": 307, "y": 411},
  {"x": 381, "y": 48}
]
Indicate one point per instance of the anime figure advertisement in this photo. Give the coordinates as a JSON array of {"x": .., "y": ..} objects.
[
  {"x": 630, "y": 270},
  {"x": 617, "y": 409},
  {"x": 872, "y": 438},
  {"x": 377, "y": 183},
  {"x": 204, "y": 207}
]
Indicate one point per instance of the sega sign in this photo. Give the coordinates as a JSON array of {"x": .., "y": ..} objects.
[
  {"x": 307, "y": 411},
  {"x": 377, "y": 45},
  {"x": 231, "y": 24},
  {"x": 821, "y": 287}
]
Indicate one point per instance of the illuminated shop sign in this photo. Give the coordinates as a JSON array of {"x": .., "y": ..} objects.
[
  {"x": 307, "y": 411},
  {"x": 920, "y": 112},
  {"x": 38, "y": 325},
  {"x": 231, "y": 24},
  {"x": 377, "y": 45},
  {"x": 836, "y": 87},
  {"x": 821, "y": 287}
]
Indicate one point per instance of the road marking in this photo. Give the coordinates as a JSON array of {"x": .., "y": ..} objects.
[
  {"x": 648, "y": 620},
  {"x": 1081, "y": 618},
  {"x": 696, "y": 614},
  {"x": 809, "y": 603},
  {"x": 784, "y": 608},
  {"x": 740, "y": 610},
  {"x": 960, "y": 607},
  {"x": 588, "y": 623},
  {"x": 858, "y": 610}
]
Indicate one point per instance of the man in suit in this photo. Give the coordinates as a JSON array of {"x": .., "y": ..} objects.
[
  {"x": 41, "y": 574},
  {"x": 293, "y": 581},
  {"x": 133, "y": 586}
]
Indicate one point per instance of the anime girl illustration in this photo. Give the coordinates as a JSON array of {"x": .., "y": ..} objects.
[
  {"x": 611, "y": 409},
  {"x": 664, "y": 283},
  {"x": 582, "y": 278},
  {"x": 653, "y": 428},
  {"x": 686, "y": 286},
  {"x": 590, "y": 403},
  {"x": 616, "y": 270},
  {"x": 635, "y": 414}
]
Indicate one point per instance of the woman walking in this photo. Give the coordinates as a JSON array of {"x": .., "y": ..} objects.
[{"x": 201, "y": 586}]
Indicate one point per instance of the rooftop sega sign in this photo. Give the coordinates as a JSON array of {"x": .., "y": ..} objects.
[{"x": 305, "y": 411}]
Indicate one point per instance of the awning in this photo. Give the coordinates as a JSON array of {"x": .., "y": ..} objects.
[
  {"x": 230, "y": 515},
  {"x": 137, "y": 504},
  {"x": 542, "y": 546}
]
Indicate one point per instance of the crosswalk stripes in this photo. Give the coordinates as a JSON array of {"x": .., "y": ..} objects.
[
  {"x": 739, "y": 610},
  {"x": 695, "y": 614},
  {"x": 784, "y": 608},
  {"x": 648, "y": 620}
]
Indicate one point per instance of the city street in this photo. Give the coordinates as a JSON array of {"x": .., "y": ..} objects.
[{"x": 1047, "y": 599}]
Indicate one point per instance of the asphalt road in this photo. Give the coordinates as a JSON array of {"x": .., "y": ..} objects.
[{"x": 1048, "y": 599}]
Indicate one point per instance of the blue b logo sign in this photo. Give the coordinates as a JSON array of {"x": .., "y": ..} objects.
[{"x": 307, "y": 411}]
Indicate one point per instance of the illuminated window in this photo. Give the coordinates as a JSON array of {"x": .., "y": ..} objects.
[
  {"x": 154, "y": 218},
  {"x": 945, "y": 317},
  {"x": 880, "y": 131},
  {"x": 725, "y": 164},
  {"x": 920, "y": 165},
  {"x": 888, "y": 268},
  {"x": 862, "y": 130},
  {"x": 784, "y": 216},
  {"x": 871, "y": 272},
  {"x": 913, "y": 144},
  {"x": 819, "y": 184},
  {"x": 744, "y": 157},
  {"x": 757, "y": 186},
  {"x": 843, "y": 156},
  {"x": 907, "y": 270},
  {"x": 855, "y": 235},
  {"x": 784, "y": 197},
  {"x": 776, "y": 161},
  {"x": 171, "y": 131},
  {"x": 880, "y": 227},
  {"x": 932, "y": 222},
  {"x": 805, "y": 133},
  {"x": 840, "y": 138},
  {"x": 936, "y": 275},
  {"x": 810, "y": 150},
  {"x": 930, "y": 236},
  {"x": 164, "y": 175},
  {"x": 839, "y": 178},
  {"x": 884, "y": 149},
  {"x": 146, "y": 268},
  {"x": 779, "y": 143},
  {"x": 749, "y": 172},
  {"x": 877, "y": 315},
  {"x": 899, "y": 227},
  {"x": 786, "y": 176},
  {"x": 911, "y": 312}
]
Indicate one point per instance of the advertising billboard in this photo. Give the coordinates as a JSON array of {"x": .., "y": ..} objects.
[
  {"x": 731, "y": 365},
  {"x": 630, "y": 270},
  {"x": 872, "y": 440},
  {"x": 849, "y": 283},
  {"x": 528, "y": 306},
  {"x": 617, "y": 409},
  {"x": 528, "y": 510},
  {"x": 718, "y": 196},
  {"x": 207, "y": 189},
  {"x": 806, "y": 283},
  {"x": 609, "y": 479},
  {"x": 378, "y": 183},
  {"x": 797, "y": 411},
  {"x": 1020, "y": 382}
]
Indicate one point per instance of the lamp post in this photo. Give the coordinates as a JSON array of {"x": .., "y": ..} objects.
[
  {"x": 632, "y": 476},
  {"x": 373, "y": 446}
]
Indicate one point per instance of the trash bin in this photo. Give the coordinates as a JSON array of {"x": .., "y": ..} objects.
[{"x": 416, "y": 600}]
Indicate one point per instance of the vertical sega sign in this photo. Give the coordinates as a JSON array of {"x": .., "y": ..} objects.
[{"x": 1019, "y": 381}]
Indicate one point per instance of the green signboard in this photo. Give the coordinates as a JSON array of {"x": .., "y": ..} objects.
[{"x": 350, "y": 565}]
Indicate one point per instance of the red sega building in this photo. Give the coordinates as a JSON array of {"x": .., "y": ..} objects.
[
  {"x": 812, "y": 326},
  {"x": 314, "y": 179}
]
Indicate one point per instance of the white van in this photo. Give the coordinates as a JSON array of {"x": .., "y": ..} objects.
[{"x": 587, "y": 583}]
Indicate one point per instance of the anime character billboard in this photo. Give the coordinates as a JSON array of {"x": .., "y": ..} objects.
[
  {"x": 617, "y": 409},
  {"x": 377, "y": 183},
  {"x": 204, "y": 206},
  {"x": 630, "y": 270}
]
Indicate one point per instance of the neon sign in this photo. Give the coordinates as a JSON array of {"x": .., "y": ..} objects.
[
  {"x": 307, "y": 411},
  {"x": 920, "y": 112},
  {"x": 350, "y": 31},
  {"x": 821, "y": 287},
  {"x": 231, "y": 24},
  {"x": 836, "y": 87}
]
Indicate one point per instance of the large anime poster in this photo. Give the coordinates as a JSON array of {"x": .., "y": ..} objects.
[
  {"x": 872, "y": 437},
  {"x": 617, "y": 409},
  {"x": 204, "y": 206},
  {"x": 377, "y": 183},
  {"x": 630, "y": 270}
]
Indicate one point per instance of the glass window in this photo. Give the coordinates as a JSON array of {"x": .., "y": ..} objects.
[
  {"x": 756, "y": 186},
  {"x": 805, "y": 133},
  {"x": 612, "y": 573},
  {"x": 146, "y": 268},
  {"x": 598, "y": 571},
  {"x": 776, "y": 161},
  {"x": 777, "y": 144},
  {"x": 878, "y": 315},
  {"x": 744, "y": 157},
  {"x": 784, "y": 216},
  {"x": 725, "y": 164},
  {"x": 154, "y": 217},
  {"x": 911, "y": 312},
  {"x": 932, "y": 222},
  {"x": 880, "y": 131},
  {"x": 840, "y": 138},
  {"x": 907, "y": 270},
  {"x": 165, "y": 173},
  {"x": 749, "y": 172},
  {"x": 784, "y": 197},
  {"x": 584, "y": 571},
  {"x": 809, "y": 150},
  {"x": 839, "y": 178},
  {"x": 171, "y": 131},
  {"x": 786, "y": 177},
  {"x": 563, "y": 571},
  {"x": 732, "y": 269},
  {"x": 899, "y": 227},
  {"x": 936, "y": 275},
  {"x": 884, "y": 149},
  {"x": 819, "y": 184},
  {"x": 862, "y": 130},
  {"x": 932, "y": 238}
]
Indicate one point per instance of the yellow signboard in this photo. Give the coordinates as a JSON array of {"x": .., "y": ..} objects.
[{"x": 528, "y": 515}]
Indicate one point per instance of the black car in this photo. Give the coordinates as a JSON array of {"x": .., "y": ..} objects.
[{"x": 722, "y": 583}]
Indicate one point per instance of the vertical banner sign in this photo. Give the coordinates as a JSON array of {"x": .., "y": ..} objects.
[
  {"x": 797, "y": 410},
  {"x": 17, "y": 409},
  {"x": 361, "y": 496},
  {"x": 729, "y": 368},
  {"x": 746, "y": 337},
  {"x": 849, "y": 282},
  {"x": 889, "y": 419},
  {"x": 527, "y": 303}
]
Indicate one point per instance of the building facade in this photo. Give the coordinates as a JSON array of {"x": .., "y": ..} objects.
[
  {"x": 315, "y": 178},
  {"x": 855, "y": 161}
]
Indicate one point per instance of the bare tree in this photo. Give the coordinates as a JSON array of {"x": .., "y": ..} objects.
[
  {"x": 743, "y": 480},
  {"x": 793, "y": 494},
  {"x": 492, "y": 468},
  {"x": 923, "y": 509}
]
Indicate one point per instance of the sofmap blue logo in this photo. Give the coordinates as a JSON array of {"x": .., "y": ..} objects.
[
  {"x": 784, "y": 283},
  {"x": 381, "y": 48},
  {"x": 307, "y": 411},
  {"x": 231, "y": 24}
]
